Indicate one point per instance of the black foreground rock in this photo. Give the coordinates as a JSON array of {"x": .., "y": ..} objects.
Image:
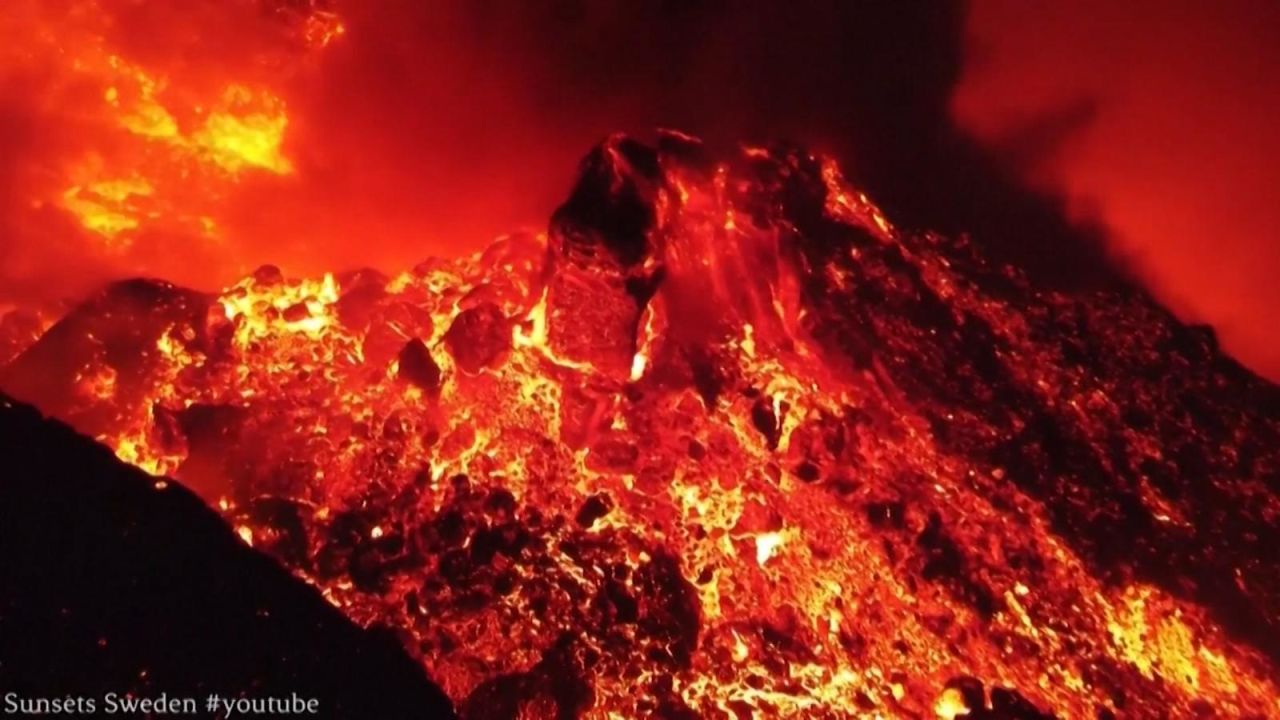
[{"x": 111, "y": 585}]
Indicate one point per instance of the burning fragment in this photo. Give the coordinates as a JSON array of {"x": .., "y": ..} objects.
[
  {"x": 767, "y": 545},
  {"x": 479, "y": 337}
]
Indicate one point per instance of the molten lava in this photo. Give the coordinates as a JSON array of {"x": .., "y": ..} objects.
[{"x": 722, "y": 443}]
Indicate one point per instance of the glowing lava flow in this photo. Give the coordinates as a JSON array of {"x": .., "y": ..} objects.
[{"x": 723, "y": 443}]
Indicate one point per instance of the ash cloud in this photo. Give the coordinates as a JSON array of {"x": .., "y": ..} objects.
[
  {"x": 470, "y": 113},
  {"x": 429, "y": 128},
  {"x": 1162, "y": 130},
  {"x": 980, "y": 117}
]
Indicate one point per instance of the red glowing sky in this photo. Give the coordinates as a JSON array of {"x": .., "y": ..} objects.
[
  {"x": 1178, "y": 155},
  {"x": 428, "y": 128}
]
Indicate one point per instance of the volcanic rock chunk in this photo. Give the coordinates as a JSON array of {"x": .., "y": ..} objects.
[
  {"x": 945, "y": 561},
  {"x": 296, "y": 312},
  {"x": 604, "y": 251},
  {"x": 111, "y": 584},
  {"x": 970, "y": 691},
  {"x": 1007, "y": 704},
  {"x": 592, "y": 318},
  {"x": 209, "y": 433},
  {"x": 357, "y": 305},
  {"x": 612, "y": 208},
  {"x": 766, "y": 421},
  {"x": 669, "y": 609},
  {"x": 361, "y": 278},
  {"x": 584, "y": 411},
  {"x": 352, "y": 547},
  {"x": 114, "y": 334},
  {"x": 418, "y": 367},
  {"x": 390, "y": 324},
  {"x": 596, "y": 507},
  {"x": 268, "y": 276},
  {"x": 615, "y": 451},
  {"x": 479, "y": 338},
  {"x": 522, "y": 259},
  {"x": 288, "y": 541},
  {"x": 554, "y": 688}
]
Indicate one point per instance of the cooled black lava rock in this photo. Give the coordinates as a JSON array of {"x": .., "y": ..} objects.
[
  {"x": 418, "y": 367},
  {"x": 611, "y": 209},
  {"x": 595, "y": 507},
  {"x": 109, "y": 583}
]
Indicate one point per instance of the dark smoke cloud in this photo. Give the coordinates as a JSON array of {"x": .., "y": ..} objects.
[
  {"x": 430, "y": 127},
  {"x": 449, "y": 122},
  {"x": 466, "y": 118},
  {"x": 1156, "y": 119}
]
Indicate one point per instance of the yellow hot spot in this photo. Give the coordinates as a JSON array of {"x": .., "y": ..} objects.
[
  {"x": 135, "y": 450},
  {"x": 262, "y": 313},
  {"x": 748, "y": 340},
  {"x": 645, "y": 339},
  {"x": 638, "y": 363},
  {"x": 140, "y": 112},
  {"x": 150, "y": 120},
  {"x": 767, "y": 545},
  {"x": 850, "y": 205},
  {"x": 536, "y": 320},
  {"x": 238, "y": 137},
  {"x": 106, "y": 207},
  {"x": 950, "y": 705},
  {"x": 99, "y": 384},
  {"x": 242, "y": 129},
  {"x": 1160, "y": 639},
  {"x": 121, "y": 190},
  {"x": 245, "y": 129},
  {"x": 323, "y": 28}
]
